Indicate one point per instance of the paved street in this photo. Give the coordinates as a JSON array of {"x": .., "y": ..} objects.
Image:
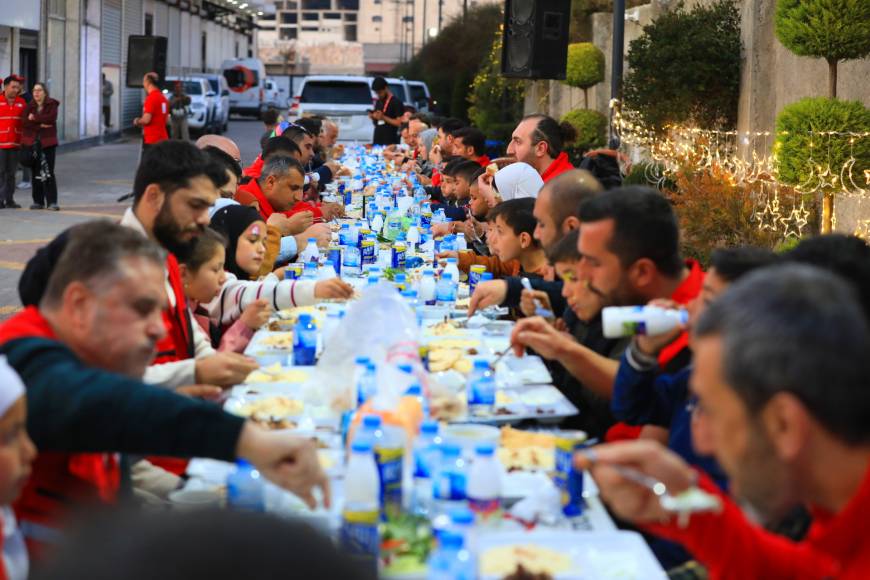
[{"x": 89, "y": 182}]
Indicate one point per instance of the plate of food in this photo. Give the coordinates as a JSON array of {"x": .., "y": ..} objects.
[
  {"x": 272, "y": 412},
  {"x": 564, "y": 555},
  {"x": 527, "y": 370},
  {"x": 276, "y": 373}
]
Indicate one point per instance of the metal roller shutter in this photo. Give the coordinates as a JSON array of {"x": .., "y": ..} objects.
[{"x": 111, "y": 32}]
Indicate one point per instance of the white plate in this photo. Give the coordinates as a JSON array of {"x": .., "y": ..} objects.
[
  {"x": 530, "y": 369},
  {"x": 594, "y": 555}
]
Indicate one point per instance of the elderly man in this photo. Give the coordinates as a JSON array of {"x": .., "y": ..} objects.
[
  {"x": 780, "y": 373},
  {"x": 81, "y": 355}
]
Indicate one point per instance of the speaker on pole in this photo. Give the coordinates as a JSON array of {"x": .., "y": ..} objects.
[
  {"x": 145, "y": 54},
  {"x": 535, "y": 39}
]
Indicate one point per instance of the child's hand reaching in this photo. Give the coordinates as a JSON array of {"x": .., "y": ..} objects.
[{"x": 256, "y": 314}]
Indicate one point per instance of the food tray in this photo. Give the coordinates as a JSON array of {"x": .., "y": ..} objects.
[
  {"x": 592, "y": 555},
  {"x": 544, "y": 403},
  {"x": 527, "y": 370}
]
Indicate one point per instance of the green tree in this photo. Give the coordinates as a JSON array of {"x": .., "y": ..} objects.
[
  {"x": 496, "y": 101},
  {"x": 449, "y": 61},
  {"x": 834, "y": 30},
  {"x": 585, "y": 68},
  {"x": 591, "y": 129},
  {"x": 799, "y": 128},
  {"x": 686, "y": 67}
]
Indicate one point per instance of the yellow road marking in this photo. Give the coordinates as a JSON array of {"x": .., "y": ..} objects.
[
  {"x": 13, "y": 242},
  {"x": 11, "y": 265},
  {"x": 9, "y": 310}
]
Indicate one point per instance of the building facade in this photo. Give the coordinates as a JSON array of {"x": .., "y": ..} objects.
[{"x": 71, "y": 44}]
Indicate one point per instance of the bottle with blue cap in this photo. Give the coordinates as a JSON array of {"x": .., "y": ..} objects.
[
  {"x": 462, "y": 522},
  {"x": 245, "y": 488},
  {"x": 484, "y": 482},
  {"x": 449, "y": 481},
  {"x": 304, "y": 341},
  {"x": 480, "y": 388},
  {"x": 445, "y": 291},
  {"x": 359, "y": 369},
  {"x": 451, "y": 560},
  {"x": 453, "y": 268},
  {"x": 416, "y": 391},
  {"x": 426, "y": 293},
  {"x": 311, "y": 253},
  {"x": 427, "y": 454},
  {"x": 367, "y": 385},
  {"x": 361, "y": 514}
]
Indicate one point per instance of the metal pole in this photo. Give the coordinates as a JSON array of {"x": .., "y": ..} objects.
[
  {"x": 617, "y": 57},
  {"x": 425, "y": 30},
  {"x": 464, "y": 9},
  {"x": 440, "y": 4}
]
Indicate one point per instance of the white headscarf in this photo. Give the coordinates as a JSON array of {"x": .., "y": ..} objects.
[
  {"x": 518, "y": 180},
  {"x": 11, "y": 387}
]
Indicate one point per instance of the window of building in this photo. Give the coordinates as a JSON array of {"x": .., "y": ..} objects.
[
  {"x": 310, "y": 29},
  {"x": 350, "y": 33},
  {"x": 347, "y": 4},
  {"x": 316, "y": 4},
  {"x": 407, "y": 19},
  {"x": 288, "y": 34},
  {"x": 289, "y": 17},
  {"x": 350, "y": 17},
  {"x": 332, "y": 15},
  {"x": 291, "y": 5},
  {"x": 149, "y": 24},
  {"x": 377, "y": 19},
  {"x": 267, "y": 18},
  {"x": 309, "y": 16}
]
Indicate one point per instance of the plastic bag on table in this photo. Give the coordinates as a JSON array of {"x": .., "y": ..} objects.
[{"x": 380, "y": 326}]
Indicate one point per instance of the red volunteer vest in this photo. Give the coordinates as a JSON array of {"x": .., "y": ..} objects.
[{"x": 59, "y": 481}]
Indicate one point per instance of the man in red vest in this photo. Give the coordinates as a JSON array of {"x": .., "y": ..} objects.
[
  {"x": 470, "y": 143},
  {"x": 154, "y": 113},
  {"x": 81, "y": 354},
  {"x": 11, "y": 108},
  {"x": 539, "y": 141},
  {"x": 174, "y": 188}
]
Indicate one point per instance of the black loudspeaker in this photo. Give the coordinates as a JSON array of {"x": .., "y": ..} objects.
[
  {"x": 145, "y": 54},
  {"x": 535, "y": 39}
]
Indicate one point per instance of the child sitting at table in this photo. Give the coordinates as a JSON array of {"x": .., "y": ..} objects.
[
  {"x": 203, "y": 276},
  {"x": 17, "y": 452},
  {"x": 245, "y": 231},
  {"x": 511, "y": 238}
]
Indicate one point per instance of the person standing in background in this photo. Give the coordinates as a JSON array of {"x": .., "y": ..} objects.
[
  {"x": 11, "y": 108},
  {"x": 40, "y": 132},
  {"x": 178, "y": 107},
  {"x": 108, "y": 91},
  {"x": 386, "y": 115},
  {"x": 154, "y": 113}
]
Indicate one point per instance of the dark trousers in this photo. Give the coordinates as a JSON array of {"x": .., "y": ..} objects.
[
  {"x": 107, "y": 115},
  {"x": 45, "y": 192},
  {"x": 8, "y": 166}
]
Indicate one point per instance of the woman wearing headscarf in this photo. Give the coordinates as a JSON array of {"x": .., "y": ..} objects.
[{"x": 245, "y": 231}]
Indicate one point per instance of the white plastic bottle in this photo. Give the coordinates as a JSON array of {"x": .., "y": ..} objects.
[
  {"x": 413, "y": 237},
  {"x": 445, "y": 291},
  {"x": 361, "y": 513},
  {"x": 426, "y": 458},
  {"x": 245, "y": 488},
  {"x": 426, "y": 293},
  {"x": 484, "y": 482},
  {"x": 311, "y": 253},
  {"x": 619, "y": 321},
  {"x": 480, "y": 388},
  {"x": 453, "y": 268},
  {"x": 461, "y": 243}
]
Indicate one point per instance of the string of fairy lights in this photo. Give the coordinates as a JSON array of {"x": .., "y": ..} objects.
[{"x": 749, "y": 159}]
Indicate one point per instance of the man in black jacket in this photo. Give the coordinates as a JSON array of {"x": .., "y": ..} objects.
[{"x": 81, "y": 355}]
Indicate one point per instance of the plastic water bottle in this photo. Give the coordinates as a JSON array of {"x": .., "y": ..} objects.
[
  {"x": 350, "y": 261},
  {"x": 448, "y": 243},
  {"x": 462, "y": 523},
  {"x": 461, "y": 243},
  {"x": 311, "y": 253},
  {"x": 451, "y": 560},
  {"x": 416, "y": 391},
  {"x": 310, "y": 271},
  {"x": 426, "y": 293},
  {"x": 368, "y": 383},
  {"x": 445, "y": 291},
  {"x": 345, "y": 237},
  {"x": 486, "y": 277},
  {"x": 481, "y": 388},
  {"x": 453, "y": 268},
  {"x": 410, "y": 296},
  {"x": 360, "y": 365},
  {"x": 449, "y": 482},
  {"x": 619, "y": 321},
  {"x": 484, "y": 482},
  {"x": 400, "y": 281},
  {"x": 333, "y": 319},
  {"x": 370, "y": 430},
  {"x": 413, "y": 237},
  {"x": 426, "y": 458},
  {"x": 304, "y": 341},
  {"x": 245, "y": 489},
  {"x": 361, "y": 513}
]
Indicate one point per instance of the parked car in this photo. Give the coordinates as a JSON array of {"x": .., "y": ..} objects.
[
  {"x": 218, "y": 85},
  {"x": 275, "y": 96},
  {"x": 399, "y": 88},
  {"x": 421, "y": 99},
  {"x": 246, "y": 78},
  {"x": 344, "y": 99},
  {"x": 202, "y": 101}
]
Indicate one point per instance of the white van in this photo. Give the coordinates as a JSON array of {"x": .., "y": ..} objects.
[
  {"x": 421, "y": 99},
  {"x": 246, "y": 78},
  {"x": 344, "y": 99}
]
